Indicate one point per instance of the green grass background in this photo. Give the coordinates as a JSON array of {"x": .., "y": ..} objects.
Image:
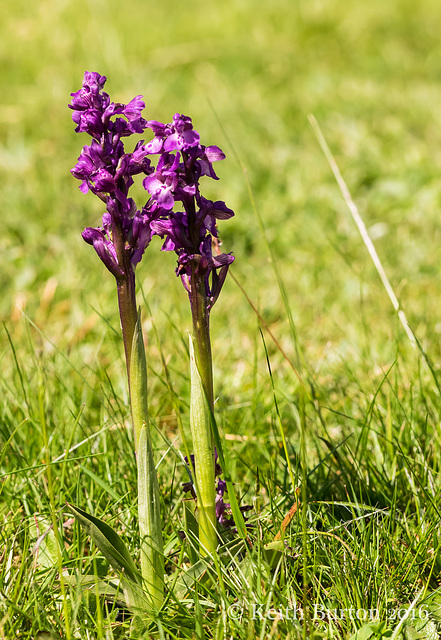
[{"x": 248, "y": 74}]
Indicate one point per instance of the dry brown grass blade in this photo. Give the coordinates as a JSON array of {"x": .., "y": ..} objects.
[{"x": 288, "y": 518}]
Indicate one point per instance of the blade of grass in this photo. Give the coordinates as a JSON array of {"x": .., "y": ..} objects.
[
  {"x": 361, "y": 227},
  {"x": 59, "y": 545},
  {"x": 370, "y": 245},
  {"x": 100, "y": 482},
  {"x": 279, "y": 419}
]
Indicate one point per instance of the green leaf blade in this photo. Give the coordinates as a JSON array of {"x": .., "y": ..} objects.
[{"x": 109, "y": 543}]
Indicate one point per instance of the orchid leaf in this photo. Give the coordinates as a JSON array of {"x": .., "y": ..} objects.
[
  {"x": 138, "y": 382},
  {"x": 116, "y": 552},
  {"x": 152, "y": 558},
  {"x": 109, "y": 543},
  {"x": 149, "y": 510},
  {"x": 204, "y": 456},
  {"x": 198, "y": 389}
]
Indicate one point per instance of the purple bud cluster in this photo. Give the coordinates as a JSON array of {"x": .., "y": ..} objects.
[
  {"x": 175, "y": 209},
  {"x": 223, "y": 509}
]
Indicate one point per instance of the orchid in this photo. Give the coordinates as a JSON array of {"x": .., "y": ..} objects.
[
  {"x": 106, "y": 169},
  {"x": 187, "y": 225},
  {"x": 176, "y": 211}
]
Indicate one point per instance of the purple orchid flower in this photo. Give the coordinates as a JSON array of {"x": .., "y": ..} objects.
[
  {"x": 190, "y": 232},
  {"x": 107, "y": 170},
  {"x": 177, "y": 212}
]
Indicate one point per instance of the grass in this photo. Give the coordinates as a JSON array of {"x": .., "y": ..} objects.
[{"x": 362, "y": 424}]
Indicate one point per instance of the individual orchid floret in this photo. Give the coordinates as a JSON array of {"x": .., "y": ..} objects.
[
  {"x": 93, "y": 110},
  {"x": 178, "y": 135},
  {"x": 99, "y": 239},
  {"x": 183, "y": 137},
  {"x": 162, "y": 184}
]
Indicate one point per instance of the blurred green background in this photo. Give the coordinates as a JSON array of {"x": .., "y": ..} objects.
[{"x": 248, "y": 74}]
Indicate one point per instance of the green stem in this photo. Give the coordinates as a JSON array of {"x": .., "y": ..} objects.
[
  {"x": 201, "y": 405},
  {"x": 149, "y": 512},
  {"x": 125, "y": 285},
  {"x": 201, "y": 335},
  {"x": 127, "y": 312}
]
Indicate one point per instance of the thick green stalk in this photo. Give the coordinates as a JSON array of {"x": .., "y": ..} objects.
[
  {"x": 126, "y": 288},
  {"x": 127, "y": 312},
  {"x": 149, "y": 513},
  {"x": 201, "y": 405}
]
